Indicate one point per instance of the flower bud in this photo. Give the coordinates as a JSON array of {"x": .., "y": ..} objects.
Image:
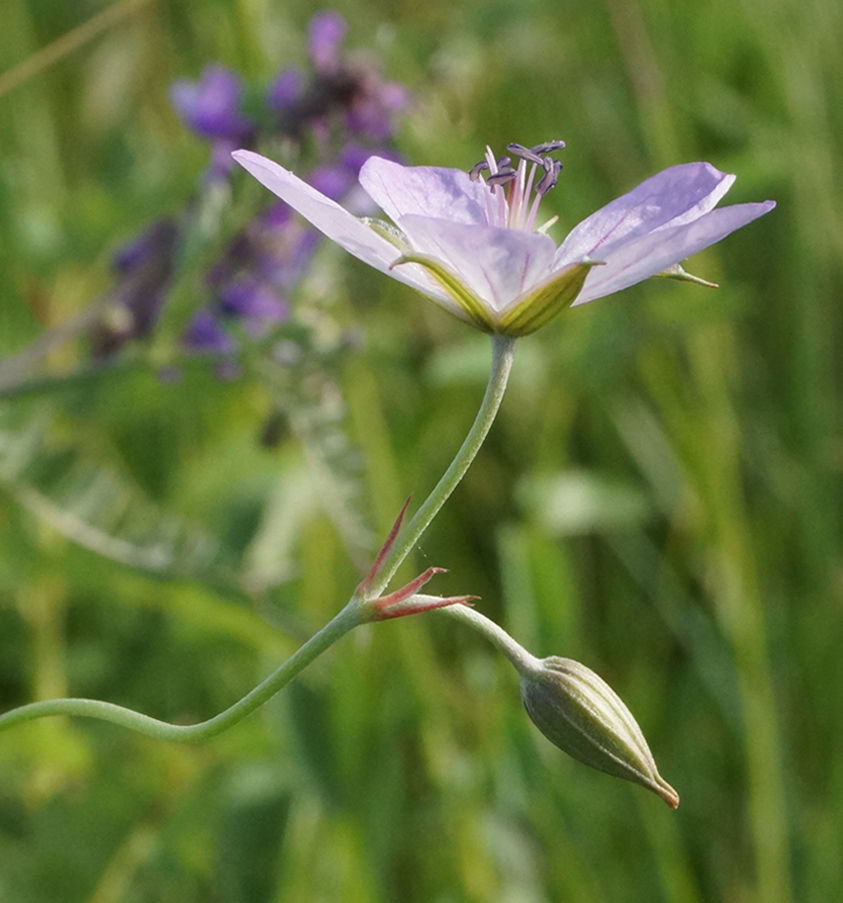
[{"x": 581, "y": 714}]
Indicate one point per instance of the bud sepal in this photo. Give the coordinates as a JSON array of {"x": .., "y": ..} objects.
[{"x": 582, "y": 715}]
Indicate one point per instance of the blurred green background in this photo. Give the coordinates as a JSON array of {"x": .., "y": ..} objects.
[{"x": 659, "y": 498}]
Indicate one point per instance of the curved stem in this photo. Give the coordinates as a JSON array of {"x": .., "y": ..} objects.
[
  {"x": 503, "y": 349},
  {"x": 526, "y": 664},
  {"x": 346, "y": 620},
  {"x": 351, "y": 616}
]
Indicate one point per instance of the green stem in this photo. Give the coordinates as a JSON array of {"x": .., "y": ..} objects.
[
  {"x": 346, "y": 620},
  {"x": 525, "y": 664},
  {"x": 350, "y": 617},
  {"x": 503, "y": 349}
]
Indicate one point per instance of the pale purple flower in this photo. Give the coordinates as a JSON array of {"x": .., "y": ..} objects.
[{"x": 470, "y": 242}]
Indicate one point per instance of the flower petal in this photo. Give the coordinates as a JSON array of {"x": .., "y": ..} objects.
[
  {"x": 424, "y": 190},
  {"x": 338, "y": 224},
  {"x": 498, "y": 265},
  {"x": 656, "y": 252},
  {"x": 673, "y": 197}
]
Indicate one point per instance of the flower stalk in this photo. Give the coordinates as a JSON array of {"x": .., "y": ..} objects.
[
  {"x": 503, "y": 350},
  {"x": 366, "y": 604},
  {"x": 346, "y": 620}
]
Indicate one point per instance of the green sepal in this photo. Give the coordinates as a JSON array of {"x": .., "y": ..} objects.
[
  {"x": 546, "y": 302},
  {"x": 676, "y": 272},
  {"x": 530, "y": 314},
  {"x": 387, "y": 231},
  {"x": 475, "y": 310}
]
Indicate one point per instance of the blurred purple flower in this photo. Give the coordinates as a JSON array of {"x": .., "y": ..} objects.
[
  {"x": 275, "y": 217},
  {"x": 144, "y": 268},
  {"x": 325, "y": 33},
  {"x": 155, "y": 243},
  {"x": 471, "y": 243},
  {"x": 334, "y": 181},
  {"x": 284, "y": 92},
  {"x": 219, "y": 167},
  {"x": 349, "y": 89},
  {"x": 205, "y": 334},
  {"x": 340, "y": 106},
  {"x": 287, "y": 254},
  {"x": 211, "y": 106},
  {"x": 375, "y": 105},
  {"x": 255, "y": 303}
]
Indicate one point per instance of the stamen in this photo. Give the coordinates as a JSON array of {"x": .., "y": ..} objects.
[
  {"x": 517, "y": 197},
  {"x": 552, "y": 169},
  {"x": 524, "y": 153},
  {"x": 528, "y": 190},
  {"x": 501, "y": 178},
  {"x": 547, "y": 148},
  {"x": 512, "y": 208},
  {"x": 477, "y": 169}
]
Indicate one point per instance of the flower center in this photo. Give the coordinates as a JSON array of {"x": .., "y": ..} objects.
[{"x": 511, "y": 207}]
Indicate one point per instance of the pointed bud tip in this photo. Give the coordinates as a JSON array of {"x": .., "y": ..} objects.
[{"x": 667, "y": 793}]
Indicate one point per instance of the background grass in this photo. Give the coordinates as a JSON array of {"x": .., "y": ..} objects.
[{"x": 659, "y": 499}]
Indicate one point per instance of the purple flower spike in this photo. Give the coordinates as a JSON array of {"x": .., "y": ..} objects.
[
  {"x": 470, "y": 242},
  {"x": 286, "y": 91},
  {"x": 325, "y": 33},
  {"x": 205, "y": 334},
  {"x": 210, "y": 107},
  {"x": 253, "y": 302},
  {"x": 276, "y": 217},
  {"x": 157, "y": 242},
  {"x": 375, "y": 106},
  {"x": 332, "y": 181},
  {"x": 144, "y": 268},
  {"x": 220, "y": 166}
]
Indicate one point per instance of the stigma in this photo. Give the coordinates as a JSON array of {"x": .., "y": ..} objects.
[{"x": 515, "y": 191}]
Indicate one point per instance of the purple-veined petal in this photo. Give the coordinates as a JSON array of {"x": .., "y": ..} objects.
[
  {"x": 676, "y": 196},
  {"x": 497, "y": 264},
  {"x": 654, "y": 253},
  {"x": 338, "y": 224},
  {"x": 423, "y": 190}
]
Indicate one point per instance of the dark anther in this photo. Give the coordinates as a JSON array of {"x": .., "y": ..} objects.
[
  {"x": 547, "y": 148},
  {"x": 551, "y": 174},
  {"x": 474, "y": 172},
  {"x": 501, "y": 178},
  {"x": 537, "y": 155},
  {"x": 524, "y": 153}
]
